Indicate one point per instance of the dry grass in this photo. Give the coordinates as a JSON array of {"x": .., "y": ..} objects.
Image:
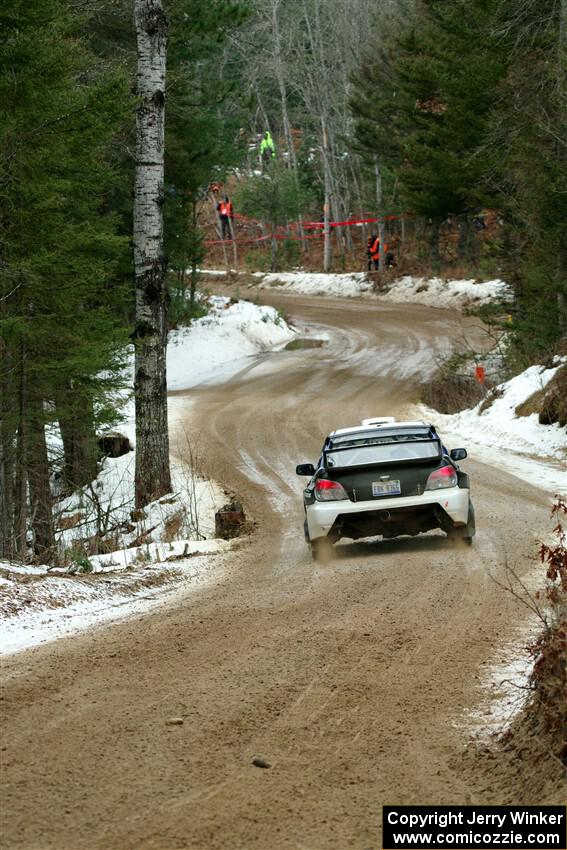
[
  {"x": 172, "y": 526},
  {"x": 550, "y": 403},
  {"x": 554, "y": 406},
  {"x": 449, "y": 393},
  {"x": 490, "y": 399},
  {"x": 533, "y": 404}
]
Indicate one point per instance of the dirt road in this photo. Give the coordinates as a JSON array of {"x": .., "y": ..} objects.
[{"x": 351, "y": 679}]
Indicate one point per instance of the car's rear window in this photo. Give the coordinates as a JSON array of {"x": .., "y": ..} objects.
[{"x": 384, "y": 449}]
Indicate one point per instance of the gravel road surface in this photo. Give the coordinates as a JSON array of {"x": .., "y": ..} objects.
[{"x": 351, "y": 679}]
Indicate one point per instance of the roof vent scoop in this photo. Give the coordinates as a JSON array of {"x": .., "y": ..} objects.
[{"x": 379, "y": 420}]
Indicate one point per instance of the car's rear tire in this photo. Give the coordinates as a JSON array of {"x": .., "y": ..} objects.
[{"x": 321, "y": 549}]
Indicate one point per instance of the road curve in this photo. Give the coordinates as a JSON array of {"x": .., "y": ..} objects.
[{"x": 351, "y": 679}]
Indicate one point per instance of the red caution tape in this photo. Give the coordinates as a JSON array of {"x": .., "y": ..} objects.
[{"x": 306, "y": 225}]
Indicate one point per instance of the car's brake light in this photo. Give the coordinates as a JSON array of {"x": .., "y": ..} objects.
[
  {"x": 329, "y": 491},
  {"x": 441, "y": 478}
]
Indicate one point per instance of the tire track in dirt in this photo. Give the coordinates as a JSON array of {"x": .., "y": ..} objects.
[{"x": 347, "y": 677}]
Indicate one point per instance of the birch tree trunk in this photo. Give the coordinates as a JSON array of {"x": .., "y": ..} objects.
[
  {"x": 21, "y": 462},
  {"x": 279, "y": 71},
  {"x": 327, "y": 247},
  {"x": 38, "y": 480},
  {"x": 7, "y": 442},
  {"x": 153, "y": 477},
  {"x": 379, "y": 202}
]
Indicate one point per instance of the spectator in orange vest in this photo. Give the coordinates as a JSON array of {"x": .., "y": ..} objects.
[
  {"x": 226, "y": 215},
  {"x": 373, "y": 252}
]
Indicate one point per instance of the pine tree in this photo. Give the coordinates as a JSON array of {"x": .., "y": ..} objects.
[
  {"x": 202, "y": 128},
  {"x": 527, "y": 154},
  {"x": 422, "y": 103},
  {"x": 58, "y": 256},
  {"x": 275, "y": 198}
]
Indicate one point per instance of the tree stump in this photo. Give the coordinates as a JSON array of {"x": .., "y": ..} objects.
[{"x": 229, "y": 521}]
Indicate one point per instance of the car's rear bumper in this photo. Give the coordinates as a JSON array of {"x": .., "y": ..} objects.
[{"x": 454, "y": 502}]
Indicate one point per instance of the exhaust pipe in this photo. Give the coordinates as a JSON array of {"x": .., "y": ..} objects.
[{"x": 384, "y": 516}]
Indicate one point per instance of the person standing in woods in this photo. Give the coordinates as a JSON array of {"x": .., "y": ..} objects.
[
  {"x": 267, "y": 148},
  {"x": 373, "y": 252},
  {"x": 226, "y": 215},
  {"x": 390, "y": 251}
]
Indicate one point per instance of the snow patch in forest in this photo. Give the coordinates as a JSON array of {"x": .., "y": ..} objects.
[
  {"x": 169, "y": 544},
  {"x": 518, "y": 444},
  {"x": 105, "y": 508}
]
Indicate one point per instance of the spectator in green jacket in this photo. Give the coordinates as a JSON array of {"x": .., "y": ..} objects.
[{"x": 267, "y": 148}]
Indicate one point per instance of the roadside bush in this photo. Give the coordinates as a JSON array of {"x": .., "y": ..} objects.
[
  {"x": 449, "y": 392},
  {"x": 554, "y": 403},
  {"x": 290, "y": 255},
  {"x": 532, "y": 404},
  {"x": 549, "y": 674},
  {"x": 496, "y": 392},
  {"x": 256, "y": 261},
  {"x": 550, "y": 403},
  {"x": 180, "y": 310}
]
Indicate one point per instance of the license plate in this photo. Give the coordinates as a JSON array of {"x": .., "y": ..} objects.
[{"x": 386, "y": 488}]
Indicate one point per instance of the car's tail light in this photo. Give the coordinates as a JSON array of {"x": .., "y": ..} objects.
[
  {"x": 329, "y": 491},
  {"x": 441, "y": 478}
]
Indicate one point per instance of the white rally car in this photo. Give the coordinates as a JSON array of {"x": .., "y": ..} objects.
[{"x": 385, "y": 478}]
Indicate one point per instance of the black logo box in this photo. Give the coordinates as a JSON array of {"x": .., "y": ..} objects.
[{"x": 463, "y": 827}]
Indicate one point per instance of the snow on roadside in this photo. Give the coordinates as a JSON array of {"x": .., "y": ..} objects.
[
  {"x": 504, "y": 686},
  {"x": 106, "y": 508},
  {"x": 309, "y": 283},
  {"x": 231, "y": 331},
  {"x": 170, "y": 545},
  {"x": 432, "y": 292},
  {"x": 519, "y": 444},
  {"x": 40, "y": 607},
  {"x": 436, "y": 292}
]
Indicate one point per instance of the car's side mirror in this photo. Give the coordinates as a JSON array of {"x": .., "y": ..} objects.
[
  {"x": 458, "y": 454},
  {"x": 305, "y": 469}
]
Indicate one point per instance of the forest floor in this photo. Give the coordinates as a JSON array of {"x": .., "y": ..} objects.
[{"x": 362, "y": 682}]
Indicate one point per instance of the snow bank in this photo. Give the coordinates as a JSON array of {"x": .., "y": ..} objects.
[
  {"x": 433, "y": 292},
  {"x": 497, "y": 434},
  {"x": 338, "y": 285},
  {"x": 168, "y": 545},
  {"x": 230, "y": 332},
  {"x": 46, "y": 607}
]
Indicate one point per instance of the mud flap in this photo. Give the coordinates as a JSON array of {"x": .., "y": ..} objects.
[{"x": 466, "y": 532}]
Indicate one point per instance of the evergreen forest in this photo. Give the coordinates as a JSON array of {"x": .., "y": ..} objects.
[{"x": 426, "y": 110}]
